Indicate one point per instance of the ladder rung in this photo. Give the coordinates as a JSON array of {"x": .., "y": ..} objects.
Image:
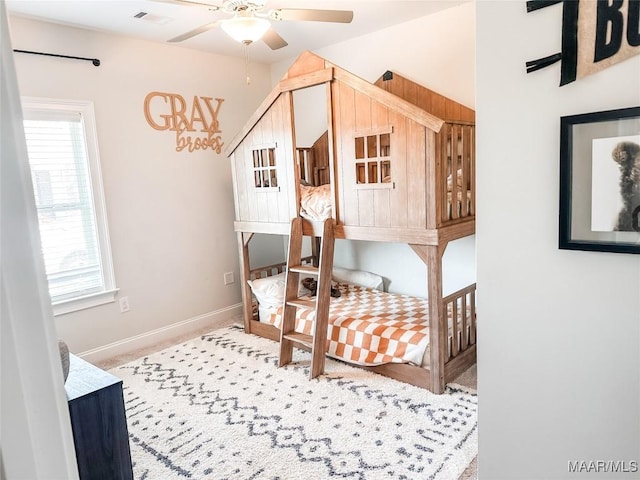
[
  {"x": 306, "y": 269},
  {"x": 299, "y": 338},
  {"x": 298, "y": 302}
]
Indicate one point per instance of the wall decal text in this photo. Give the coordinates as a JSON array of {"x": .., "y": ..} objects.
[{"x": 196, "y": 126}]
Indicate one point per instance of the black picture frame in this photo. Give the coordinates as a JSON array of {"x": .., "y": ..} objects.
[{"x": 599, "y": 211}]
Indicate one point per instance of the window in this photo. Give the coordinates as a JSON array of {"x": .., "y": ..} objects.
[
  {"x": 67, "y": 184},
  {"x": 373, "y": 161},
  {"x": 265, "y": 173}
]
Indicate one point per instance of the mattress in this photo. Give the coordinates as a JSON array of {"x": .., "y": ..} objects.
[{"x": 368, "y": 326}]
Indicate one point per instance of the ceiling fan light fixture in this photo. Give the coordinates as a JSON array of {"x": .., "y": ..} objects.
[{"x": 246, "y": 29}]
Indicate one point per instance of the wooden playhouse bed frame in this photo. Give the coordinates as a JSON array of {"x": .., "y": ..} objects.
[{"x": 399, "y": 159}]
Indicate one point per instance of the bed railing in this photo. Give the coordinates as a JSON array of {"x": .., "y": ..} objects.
[
  {"x": 455, "y": 147},
  {"x": 268, "y": 271},
  {"x": 310, "y": 171},
  {"x": 460, "y": 310}
]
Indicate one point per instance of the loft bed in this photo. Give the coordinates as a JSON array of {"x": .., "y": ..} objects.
[{"x": 395, "y": 163}]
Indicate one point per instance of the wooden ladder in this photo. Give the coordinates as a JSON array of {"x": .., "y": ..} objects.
[{"x": 289, "y": 338}]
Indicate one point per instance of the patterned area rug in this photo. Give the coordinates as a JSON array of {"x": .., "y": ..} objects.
[{"x": 217, "y": 407}]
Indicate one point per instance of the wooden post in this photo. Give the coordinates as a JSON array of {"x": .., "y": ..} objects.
[
  {"x": 245, "y": 267},
  {"x": 434, "y": 153},
  {"x": 438, "y": 324},
  {"x": 333, "y": 182},
  {"x": 315, "y": 250},
  {"x": 323, "y": 299},
  {"x": 431, "y": 255}
]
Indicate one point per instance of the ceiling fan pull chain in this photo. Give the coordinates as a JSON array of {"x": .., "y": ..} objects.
[{"x": 246, "y": 62}]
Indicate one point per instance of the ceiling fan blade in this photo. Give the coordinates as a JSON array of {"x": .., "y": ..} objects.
[
  {"x": 338, "y": 16},
  {"x": 193, "y": 33},
  {"x": 273, "y": 40},
  {"x": 190, "y": 3}
]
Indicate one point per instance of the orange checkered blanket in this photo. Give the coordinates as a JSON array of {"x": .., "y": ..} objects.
[{"x": 369, "y": 327}]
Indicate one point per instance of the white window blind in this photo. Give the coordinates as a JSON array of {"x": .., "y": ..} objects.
[{"x": 67, "y": 186}]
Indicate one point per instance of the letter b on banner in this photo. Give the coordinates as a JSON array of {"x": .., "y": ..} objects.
[{"x": 610, "y": 31}]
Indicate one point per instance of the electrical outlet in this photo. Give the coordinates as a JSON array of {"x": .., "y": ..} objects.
[
  {"x": 124, "y": 304},
  {"x": 228, "y": 278}
]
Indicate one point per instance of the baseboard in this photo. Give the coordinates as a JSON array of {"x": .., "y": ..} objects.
[{"x": 175, "y": 331}]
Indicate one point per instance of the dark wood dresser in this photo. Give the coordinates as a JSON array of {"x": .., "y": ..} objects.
[{"x": 99, "y": 422}]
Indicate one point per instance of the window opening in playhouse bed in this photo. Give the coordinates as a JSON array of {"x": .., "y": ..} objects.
[
  {"x": 373, "y": 159},
  {"x": 265, "y": 173}
]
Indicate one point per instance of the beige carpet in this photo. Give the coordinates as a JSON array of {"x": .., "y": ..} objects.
[{"x": 468, "y": 378}]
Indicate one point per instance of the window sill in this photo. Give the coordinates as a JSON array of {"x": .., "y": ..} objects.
[
  {"x": 375, "y": 186},
  {"x": 82, "y": 303}
]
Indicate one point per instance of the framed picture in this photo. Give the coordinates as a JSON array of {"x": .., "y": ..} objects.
[{"x": 600, "y": 181}]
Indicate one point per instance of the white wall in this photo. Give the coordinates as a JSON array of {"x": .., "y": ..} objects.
[
  {"x": 559, "y": 331},
  {"x": 34, "y": 415},
  {"x": 267, "y": 249},
  {"x": 437, "y": 51},
  {"x": 170, "y": 213},
  {"x": 310, "y": 114}
]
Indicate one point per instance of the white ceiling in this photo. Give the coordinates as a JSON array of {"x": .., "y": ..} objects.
[{"x": 117, "y": 16}]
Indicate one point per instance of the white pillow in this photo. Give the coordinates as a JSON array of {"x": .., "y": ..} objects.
[
  {"x": 358, "y": 277},
  {"x": 269, "y": 291}
]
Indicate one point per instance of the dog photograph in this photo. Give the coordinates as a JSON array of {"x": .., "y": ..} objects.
[{"x": 615, "y": 184}]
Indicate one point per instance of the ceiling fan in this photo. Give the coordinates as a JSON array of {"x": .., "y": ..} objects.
[{"x": 250, "y": 22}]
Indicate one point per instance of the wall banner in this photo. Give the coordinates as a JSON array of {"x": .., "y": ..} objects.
[{"x": 595, "y": 35}]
